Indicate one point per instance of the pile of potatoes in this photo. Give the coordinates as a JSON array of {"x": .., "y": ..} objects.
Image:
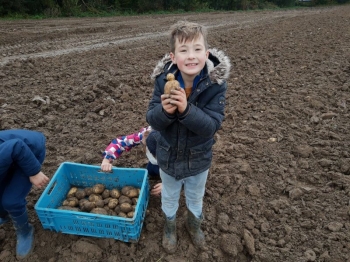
[{"x": 99, "y": 200}]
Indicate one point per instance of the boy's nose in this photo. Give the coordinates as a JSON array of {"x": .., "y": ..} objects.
[{"x": 191, "y": 54}]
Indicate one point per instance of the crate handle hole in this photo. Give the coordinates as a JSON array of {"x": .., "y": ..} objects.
[
  {"x": 52, "y": 188},
  {"x": 100, "y": 171},
  {"x": 86, "y": 218}
]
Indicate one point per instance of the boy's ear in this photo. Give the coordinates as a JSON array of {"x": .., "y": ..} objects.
[
  {"x": 172, "y": 57},
  {"x": 207, "y": 54}
]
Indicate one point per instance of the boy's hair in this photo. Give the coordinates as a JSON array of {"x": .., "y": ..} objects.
[{"x": 184, "y": 31}]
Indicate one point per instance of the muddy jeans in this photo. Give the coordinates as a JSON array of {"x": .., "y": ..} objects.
[{"x": 194, "y": 188}]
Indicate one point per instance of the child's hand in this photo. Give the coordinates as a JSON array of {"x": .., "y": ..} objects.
[
  {"x": 39, "y": 180},
  {"x": 167, "y": 106},
  {"x": 156, "y": 190},
  {"x": 178, "y": 98},
  {"x": 144, "y": 138},
  {"x": 106, "y": 166}
]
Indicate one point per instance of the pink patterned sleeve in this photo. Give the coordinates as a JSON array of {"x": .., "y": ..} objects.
[{"x": 124, "y": 143}]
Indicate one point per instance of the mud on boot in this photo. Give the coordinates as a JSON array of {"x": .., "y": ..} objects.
[
  {"x": 169, "y": 241},
  {"x": 193, "y": 226},
  {"x": 25, "y": 235}
]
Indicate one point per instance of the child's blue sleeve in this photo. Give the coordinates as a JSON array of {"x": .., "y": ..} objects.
[{"x": 16, "y": 151}]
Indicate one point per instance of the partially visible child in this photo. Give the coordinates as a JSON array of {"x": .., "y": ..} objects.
[
  {"x": 187, "y": 120},
  {"x": 22, "y": 153},
  {"x": 147, "y": 137}
]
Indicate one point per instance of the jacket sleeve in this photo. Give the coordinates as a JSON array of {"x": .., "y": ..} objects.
[
  {"x": 124, "y": 143},
  {"x": 206, "y": 121},
  {"x": 156, "y": 116},
  {"x": 17, "y": 151}
]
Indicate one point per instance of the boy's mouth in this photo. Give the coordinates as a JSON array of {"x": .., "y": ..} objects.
[{"x": 192, "y": 64}]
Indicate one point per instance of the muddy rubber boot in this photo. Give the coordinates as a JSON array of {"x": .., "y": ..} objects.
[
  {"x": 25, "y": 235},
  {"x": 169, "y": 236},
  {"x": 4, "y": 219},
  {"x": 193, "y": 226}
]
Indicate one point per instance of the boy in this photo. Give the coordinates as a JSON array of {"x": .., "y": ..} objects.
[
  {"x": 22, "y": 153},
  {"x": 187, "y": 120},
  {"x": 145, "y": 136}
]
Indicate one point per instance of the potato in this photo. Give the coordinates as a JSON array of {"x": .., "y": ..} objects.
[
  {"x": 117, "y": 209},
  {"x": 82, "y": 201},
  {"x": 134, "y": 200},
  {"x": 105, "y": 194},
  {"x": 100, "y": 203},
  {"x": 107, "y": 208},
  {"x": 94, "y": 197},
  {"x": 133, "y": 192},
  {"x": 126, "y": 189},
  {"x": 71, "y": 192},
  {"x": 72, "y": 202},
  {"x": 88, "y": 191},
  {"x": 98, "y": 188},
  {"x": 80, "y": 194},
  {"x": 99, "y": 210},
  {"x": 87, "y": 206},
  {"x": 114, "y": 193},
  {"x": 113, "y": 203},
  {"x": 171, "y": 84},
  {"x": 122, "y": 214},
  {"x": 124, "y": 199},
  {"x": 106, "y": 200},
  {"x": 125, "y": 207},
  {"x": 112, "y": 213},
  {"x": 68, "y": 208},
  {"x": 130, "y": 214}
]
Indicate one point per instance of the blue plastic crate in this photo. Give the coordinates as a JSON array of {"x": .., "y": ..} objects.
[{"x": 87, "y": 224}]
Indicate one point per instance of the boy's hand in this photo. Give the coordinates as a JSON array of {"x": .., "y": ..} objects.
[
  {"x": 156, "y": 190},
  {"x": 106, "y": 166},
  {"x": 39, "y": 180},
  {"x": 167, "y": 106},
  {"x": 178, "y": 98}
]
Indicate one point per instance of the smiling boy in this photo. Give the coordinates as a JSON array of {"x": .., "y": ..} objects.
[{"x": 187, "y": 120}]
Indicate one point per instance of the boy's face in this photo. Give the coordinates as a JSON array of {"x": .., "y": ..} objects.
[{"x": 190, "y": 57}]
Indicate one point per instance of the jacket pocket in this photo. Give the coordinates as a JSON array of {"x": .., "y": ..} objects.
[
  {"x": 163, "y": 153},
  {"x": 201, "y": 156}
]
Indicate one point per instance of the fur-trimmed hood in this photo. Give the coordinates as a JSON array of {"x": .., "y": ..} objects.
[{"x": 218, "y": 65}]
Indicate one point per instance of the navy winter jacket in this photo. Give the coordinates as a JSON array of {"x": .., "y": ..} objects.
[
  {"x": 20, "y": 147},
  {"x": 184, "y": 146}
]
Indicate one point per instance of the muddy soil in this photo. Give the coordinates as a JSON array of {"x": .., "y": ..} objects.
[{"x": 279, "y": 186}]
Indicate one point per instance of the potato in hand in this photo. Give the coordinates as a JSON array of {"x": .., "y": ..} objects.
[{"x": 172, "y": 84}]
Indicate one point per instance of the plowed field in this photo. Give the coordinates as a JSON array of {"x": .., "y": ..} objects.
[{"x": 279, "y": 186}]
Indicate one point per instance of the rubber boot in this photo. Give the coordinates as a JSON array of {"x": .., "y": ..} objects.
[
  {"x": 193, "y": 226},
  {"x": 169, "y": 236},
  {"x": 4, "y": 219},
  {"x": 25, "y": 235}
]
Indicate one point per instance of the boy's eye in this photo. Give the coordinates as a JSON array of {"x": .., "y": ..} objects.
[{"x": 198, "y": 49}]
